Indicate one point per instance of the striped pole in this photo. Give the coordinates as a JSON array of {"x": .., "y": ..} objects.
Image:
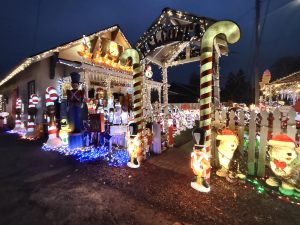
[
  {"x": 51, "y": 96},
  {"x": 18, "y": 113},
  {"x": 138, "y": 71},
  {"x": 232, "y": 33}
]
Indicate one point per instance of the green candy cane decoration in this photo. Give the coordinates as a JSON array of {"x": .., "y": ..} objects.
[
  {"x": 232, "y": 34},
  {"x": 138, "y": 70}
]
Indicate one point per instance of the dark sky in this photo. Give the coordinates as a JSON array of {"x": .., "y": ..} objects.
[{"x": 32, "y": 26}]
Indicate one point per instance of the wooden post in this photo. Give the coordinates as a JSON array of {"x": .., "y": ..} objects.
[
  {"x": 263, "y": 144},
  {"x": 231, "y": 120},
  {"x": 241, "y": 131},
  {"x": 291, "y": 126},
  {"x": 252, "y": 140},
  {"x": 276, "y": 123}
]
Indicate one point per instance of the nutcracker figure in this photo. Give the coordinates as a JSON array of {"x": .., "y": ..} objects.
[
  {"x": 200, "y": 162},
  {"x": 75, "y": 100}
]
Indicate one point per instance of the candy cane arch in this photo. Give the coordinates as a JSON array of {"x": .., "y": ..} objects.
[
  {"x": 138, "y": 70},
  {"x": 33, "y": 101},
  {"x": 232, "y": 34},
  {"x": 51, "y": 96},
  {"x": 18, "y": 113}
]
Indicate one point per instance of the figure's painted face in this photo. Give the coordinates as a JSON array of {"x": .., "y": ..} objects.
[
  {"x": 283, "y": 154},
  {"x": 228, "y": 145},
  {"x": 75, "y": 86}
]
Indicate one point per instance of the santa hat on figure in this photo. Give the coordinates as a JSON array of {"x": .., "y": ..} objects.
[{"x": 282, "y": 140}]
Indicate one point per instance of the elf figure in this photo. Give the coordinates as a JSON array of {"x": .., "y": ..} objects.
[
  {"x": 230, "y": 159},
  {"x": 285, "y": 165},
  {"x": 200, "y": 162}
]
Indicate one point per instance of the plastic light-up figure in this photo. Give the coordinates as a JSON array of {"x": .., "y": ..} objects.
[
  {"x": 133, "y": 147},
  {"x": 51, "y": 96},
  {"x": 64, "y": 131},
  {"x": 200, "y": 162}
]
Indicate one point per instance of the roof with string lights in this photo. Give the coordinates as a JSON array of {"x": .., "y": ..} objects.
[{"x": 174, "y": 38}]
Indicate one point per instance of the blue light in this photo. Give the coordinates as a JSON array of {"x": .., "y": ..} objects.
[{"x": 114, "y": 157}]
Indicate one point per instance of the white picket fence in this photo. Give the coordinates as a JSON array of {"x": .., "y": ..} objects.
[{"x": 265, "y": 127}]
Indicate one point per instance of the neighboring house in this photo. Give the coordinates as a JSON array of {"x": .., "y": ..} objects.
[{"x": 95, "y": 57}]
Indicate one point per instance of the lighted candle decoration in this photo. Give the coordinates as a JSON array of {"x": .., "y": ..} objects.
[
  {"x": 285, "y": 164},
  {"x": 51, "y": 96},
  {"x": 200, "y": 162}
]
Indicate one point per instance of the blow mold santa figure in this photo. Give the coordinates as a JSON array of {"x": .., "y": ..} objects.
[
  {"x": 285, "y": 164},
  {"x": 75, "y": 99}
]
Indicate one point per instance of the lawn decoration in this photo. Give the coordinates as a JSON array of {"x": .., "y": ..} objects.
[
  {"x": 232, "y": 34},
  {"x": 138, "y": 70},
  {"x": 51, "y": 96},
  {"x": 200, "y": 162},
  {"x": 229, "y": 157},
  {"x": 133, "y": 146},
  {"x": 64, "y": 131},
  {"x": 18, "y": 115},
  {"x": 32, "y": 111},
  {"x": 285, "y": 165}
]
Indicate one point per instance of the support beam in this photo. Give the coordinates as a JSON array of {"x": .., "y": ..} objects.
[
  {"x": 155, "y": 61},
  {"x": 216, "y": 81},
  {"x": 184, "y": 61},
  {"x": 165, "y": 98}
]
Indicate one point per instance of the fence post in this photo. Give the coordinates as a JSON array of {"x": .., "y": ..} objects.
[
  {"x": 276, "y": 123},
  {"x": 231, "y": 120},
  {"x": 252, "y": 142},
  {"x": 263, "y": 144},
  {"x": 224, "y": 117},
  {"x": 291, "y": 125},
  {"x": 241, "y": 130}
]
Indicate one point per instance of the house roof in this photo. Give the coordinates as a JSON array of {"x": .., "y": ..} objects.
[
  {"x": 294, "y": 77},
  {"x": 32, "y": 59}
]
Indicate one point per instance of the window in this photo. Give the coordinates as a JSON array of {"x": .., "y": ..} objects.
[{"x": 31, "y": 88}]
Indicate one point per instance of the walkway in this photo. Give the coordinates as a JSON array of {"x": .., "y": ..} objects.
[{"x": 175, "y": 159}]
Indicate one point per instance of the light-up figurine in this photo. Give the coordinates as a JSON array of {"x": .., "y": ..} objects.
[
  {"x": 133, "y": 147},
  {"x": 200, "y": 162},
  {"x": 64, "y": 131}
]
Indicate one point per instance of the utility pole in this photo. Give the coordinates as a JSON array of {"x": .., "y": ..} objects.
[{"x": 257, "y": 45}]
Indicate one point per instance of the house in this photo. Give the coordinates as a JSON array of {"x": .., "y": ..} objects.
[{"x": 95, "y": 57}]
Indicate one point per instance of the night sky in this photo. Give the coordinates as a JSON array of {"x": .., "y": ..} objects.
[{"x": 32, "y": 26}]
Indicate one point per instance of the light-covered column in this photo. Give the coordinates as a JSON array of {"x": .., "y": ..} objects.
[
  {"x": 216, "y": 80},
  {"x": 165, "y": 98}
]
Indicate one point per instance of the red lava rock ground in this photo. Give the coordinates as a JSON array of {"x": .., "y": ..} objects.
[{"x": 45, "y": 188}]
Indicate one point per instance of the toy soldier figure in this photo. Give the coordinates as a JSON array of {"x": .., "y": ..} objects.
[{"x": 75, "y": 98}]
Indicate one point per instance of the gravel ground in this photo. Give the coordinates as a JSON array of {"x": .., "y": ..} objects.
[{"x": 46, "y": 188}]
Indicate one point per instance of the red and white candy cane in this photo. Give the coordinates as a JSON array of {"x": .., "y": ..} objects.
[
  {"x": 18, "y": 113},
  {"x": 138, "y": 70},
  {"x": 33, "y": 101},
  {"x": 232, "y": 34},
  {"x": 51, "y": 95}
]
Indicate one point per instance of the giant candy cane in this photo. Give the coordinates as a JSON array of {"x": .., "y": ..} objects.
[
  {"x": 18, "y": 113},
  {"x": 51, "y": 96},
  {"x": 138, "y": 70},
  {"x": 232, "y": 34}
]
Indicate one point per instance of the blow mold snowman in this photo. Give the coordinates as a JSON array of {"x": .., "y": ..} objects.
[{"x": 285, "y": 164}]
